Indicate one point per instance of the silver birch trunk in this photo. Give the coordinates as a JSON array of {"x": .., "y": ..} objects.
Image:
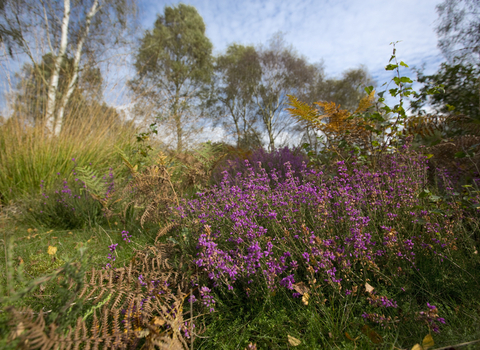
[
  {"x": 76, "y": 63},
  {"x": 53, "y": 87}
]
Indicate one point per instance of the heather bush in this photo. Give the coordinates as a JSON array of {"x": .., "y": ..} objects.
[
  {"x": 260, "y": 158},
  {"x": 325, "y": 236}
]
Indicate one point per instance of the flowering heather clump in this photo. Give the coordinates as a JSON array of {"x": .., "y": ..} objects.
[
  {"x": 334, "y": 230},
  {"x": 269, "y": 161},
  {"x": 431, "y": 317}
]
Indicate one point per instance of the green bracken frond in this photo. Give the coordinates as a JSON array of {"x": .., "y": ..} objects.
[{"x": 92, "y": 181}]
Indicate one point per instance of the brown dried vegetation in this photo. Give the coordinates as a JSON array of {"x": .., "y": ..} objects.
[{"x": 124, "y": 313}]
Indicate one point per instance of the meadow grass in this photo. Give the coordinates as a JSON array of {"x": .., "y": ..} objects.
[{"x": 29, "y": 155}]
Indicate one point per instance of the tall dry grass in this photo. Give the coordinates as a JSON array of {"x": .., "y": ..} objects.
[{"x": 30, "y": 156}]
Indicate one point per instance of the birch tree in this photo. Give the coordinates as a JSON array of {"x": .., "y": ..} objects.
[
  {"x": 283, "y": 73},
  {"x": 64, "y": 29},
  {"x": 238, "y": 72}
]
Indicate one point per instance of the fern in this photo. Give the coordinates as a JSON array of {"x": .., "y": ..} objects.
[
  {"x": 338, "y": 125},
  {"x": 92, "y": 181},
  {"x": 129, "y": 315}
]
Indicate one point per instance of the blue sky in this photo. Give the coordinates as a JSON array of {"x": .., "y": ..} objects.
[{"x": 342, "y": 33}]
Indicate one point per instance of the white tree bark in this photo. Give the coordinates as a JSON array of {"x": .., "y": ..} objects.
[
  {"x": 76, "y": 64},
  {"x": 52, "y": 88}
]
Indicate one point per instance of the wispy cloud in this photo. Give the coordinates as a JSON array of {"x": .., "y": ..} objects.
[{"x": 344, "y": 34}]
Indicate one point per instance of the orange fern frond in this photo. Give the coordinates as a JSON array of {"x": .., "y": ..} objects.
[
  {"x": 366, "y": 102},
  {"x": 303, "y": 111}
]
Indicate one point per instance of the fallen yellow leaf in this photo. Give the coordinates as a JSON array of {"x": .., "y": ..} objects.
[
  {"x": 417, "y": 347},
  {"x": 428, "y": 342},
  {"x": 52, "y": 250},
  {"x": 305, "y": 298},
  {"x": 293, "y": 341},
  {"x": 374, "y": 336}
]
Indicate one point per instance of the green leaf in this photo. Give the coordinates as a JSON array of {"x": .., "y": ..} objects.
[
  {"x": 386, "y": 109},
  {"x": 393, "y": 92},
  {"x": 368, "y": 89},
  {"x": 437, "y": 211},
  {"x": 403, "y": 64},
  {"x": 424, "y": 193},
  {"x": 406, "y": 80},
  {"x": 391, "y": 66}
]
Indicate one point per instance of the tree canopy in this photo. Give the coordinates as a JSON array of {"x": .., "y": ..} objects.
[{"x": 173, "y": 66}]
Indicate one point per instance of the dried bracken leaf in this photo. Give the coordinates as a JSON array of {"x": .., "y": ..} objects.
[
  {"x": 293, "y": 341},
  {"x": 428, "y": 342},
  {"x": 157, "y": 321},
  {"x": 18, "y": 330},
  {"x": 52, "y": 250}
]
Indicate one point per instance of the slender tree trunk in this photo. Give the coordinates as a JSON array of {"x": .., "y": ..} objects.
[
  {"x": 270, "y": 133},
  {"x": 178, "y": 121},
  {"x": 53, "y": 87},
  {"x": 76, "y": 63}
]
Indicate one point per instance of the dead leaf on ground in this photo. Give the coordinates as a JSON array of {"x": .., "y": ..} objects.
[
  {"x": 372, "y": 335},
  {"x": 349, "y": 337},
  {"x": 369, "y": 288},
  {"x": 301, "y": 288},
  {"x": 428, "y": 342},
  {"x": 293, "y": 341},
  {"x": 52, "y": 250}
]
